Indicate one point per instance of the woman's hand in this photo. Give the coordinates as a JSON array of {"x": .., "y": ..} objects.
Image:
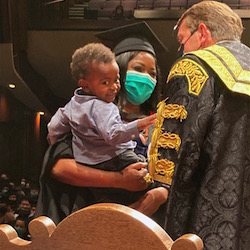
[
  {"x": 133, "y": 177},
  {"x": 151, "y": 201}
]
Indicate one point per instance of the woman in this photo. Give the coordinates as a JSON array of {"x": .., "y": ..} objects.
[
  {"x": 138, "y": 53},
  {"x": 138, "y": 96},
  {"x": 67, "y": 190}
]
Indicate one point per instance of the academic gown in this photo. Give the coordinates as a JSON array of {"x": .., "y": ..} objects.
[
  {"x": 201, "y": 146},
  {"x": 56, "y": 199}
]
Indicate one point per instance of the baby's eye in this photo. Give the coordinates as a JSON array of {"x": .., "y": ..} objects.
[{"x": 106, "y": 83}]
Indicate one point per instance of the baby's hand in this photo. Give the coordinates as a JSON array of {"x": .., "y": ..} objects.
[{"x": 146, "y": 122}]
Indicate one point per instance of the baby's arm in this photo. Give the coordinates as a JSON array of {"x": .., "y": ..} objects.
[
  {"x": 58, "y": 126},
  {"x": 146, "y": 122},
  {"x": 112, "y": 129}
]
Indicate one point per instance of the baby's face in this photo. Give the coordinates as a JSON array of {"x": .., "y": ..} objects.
[{"x": 103, "y": 80}]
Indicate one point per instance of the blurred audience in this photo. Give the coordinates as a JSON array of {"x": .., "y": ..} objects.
[
  {"x": 21, "y": 227},
  {"x": 18, "y": 201},
  {"x": 6, "y": 215}
]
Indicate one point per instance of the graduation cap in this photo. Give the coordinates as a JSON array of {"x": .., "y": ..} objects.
[{"x": 133, "y": 37}]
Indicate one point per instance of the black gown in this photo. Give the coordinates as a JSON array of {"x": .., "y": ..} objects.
[
  {"x": 201, "y": 146},
  {"x": 58, "y": 200}
]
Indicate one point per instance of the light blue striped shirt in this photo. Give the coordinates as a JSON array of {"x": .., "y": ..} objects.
[{"x": 98, "y": 132}]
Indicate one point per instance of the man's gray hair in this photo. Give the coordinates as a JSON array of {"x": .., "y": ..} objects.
[{"x": 222, "y": 21}]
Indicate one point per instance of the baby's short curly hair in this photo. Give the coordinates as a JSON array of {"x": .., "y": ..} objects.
[{"x": 85, "y": 56}]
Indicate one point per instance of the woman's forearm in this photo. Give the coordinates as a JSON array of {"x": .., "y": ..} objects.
[{"x": 70, "y": 172}]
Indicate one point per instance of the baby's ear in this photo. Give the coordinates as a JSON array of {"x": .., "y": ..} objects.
[{"x": 84, "y": 85}]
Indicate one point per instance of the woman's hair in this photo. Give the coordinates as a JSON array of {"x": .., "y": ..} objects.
[
  {"x": 221, "y": 20},
  {"x": 85, "y": 56},
  {"x": 151, "y": 104}
]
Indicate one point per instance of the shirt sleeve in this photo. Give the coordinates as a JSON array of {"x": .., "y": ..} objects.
[
  {"x": 58, "y": 125},
  {"x": 110, "y": 125}
]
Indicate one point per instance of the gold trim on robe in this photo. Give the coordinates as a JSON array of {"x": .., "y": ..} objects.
[
  {"x": 195, "y": 74},
  {"x": 227, "y": 67},
  {"x": 169, "y": 140},
  {"x": 162, "y": 169}
]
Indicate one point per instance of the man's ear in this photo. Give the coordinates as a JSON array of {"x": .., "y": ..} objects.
[
  {"x": 204, "y": 32},
  {"x": 84, "y": 85},
  {"x": 206, "y": 38}
]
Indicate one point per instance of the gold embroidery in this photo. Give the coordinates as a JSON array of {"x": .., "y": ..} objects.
[
  {"x": 162, "y": 170},
  {"x": 227, "y": 67},
  {"x": 153, "y": 155},
  {"x": 194, "y": 73},
  {"x": 148, "y": 178},
  {"x": 164, "y": 166},
  {"x": 160, "y": 107},
  {"x": 169, "y": 140},
  {"x": 156, "y": 132},
  {"x": 176, "y": 111},
  {"x": 153, "y": 158}
]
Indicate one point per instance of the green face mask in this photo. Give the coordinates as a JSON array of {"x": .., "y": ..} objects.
[
  {"x": 20, "y": 232},
  {"x": 139, "y": 87},
  {"x": 4, "y": 191}
]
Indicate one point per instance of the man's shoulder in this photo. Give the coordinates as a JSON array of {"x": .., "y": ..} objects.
[
  {"x": 193, "y": 70},
  {"x": 228, "y": 61}
]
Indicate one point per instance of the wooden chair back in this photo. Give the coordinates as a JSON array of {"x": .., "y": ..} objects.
[{"x": 98, "y": 227}]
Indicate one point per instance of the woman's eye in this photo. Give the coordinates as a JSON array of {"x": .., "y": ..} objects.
[
  {"x": 153, "y": 75},
  {"x": 138, "y": 69},
  {"x": 106, "y": 83}
]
